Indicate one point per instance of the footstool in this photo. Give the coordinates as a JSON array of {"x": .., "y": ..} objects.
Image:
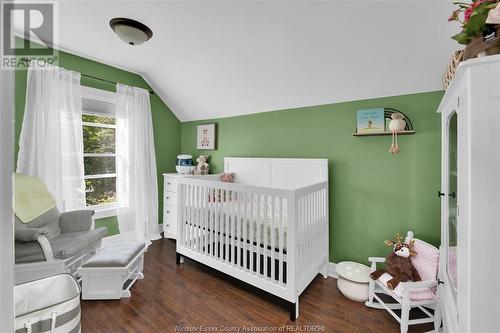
[
  {"x": 353, "y": 280},
  {"x": 113, "y": 270}
]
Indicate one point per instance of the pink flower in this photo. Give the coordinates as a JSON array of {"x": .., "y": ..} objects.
[
  {"x": 453, "y": 16},
  {"x": 467, "y": 14}
]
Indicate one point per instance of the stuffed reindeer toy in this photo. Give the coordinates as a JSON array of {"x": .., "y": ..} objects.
[{"x": 398, "y": 263}]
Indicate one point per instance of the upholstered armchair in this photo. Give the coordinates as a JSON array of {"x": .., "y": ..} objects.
[{"x": 55, "y": 243}]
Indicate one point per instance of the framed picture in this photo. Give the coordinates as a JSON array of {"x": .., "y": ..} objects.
[
  {"x": 371, "y": 121},
  {"x": 206, "y": 137}
]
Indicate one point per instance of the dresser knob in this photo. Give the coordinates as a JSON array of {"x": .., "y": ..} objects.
[{"x": 168, "y": 197}]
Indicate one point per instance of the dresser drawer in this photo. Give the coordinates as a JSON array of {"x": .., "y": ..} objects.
[
  {"x": 170, "y": 184},
  {"x": 170, "y": 199},
  {"x": 170, "y": 215}
]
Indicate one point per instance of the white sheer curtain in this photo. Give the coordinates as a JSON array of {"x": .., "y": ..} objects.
[
  {"x": 136, "y": 177},
  {"x": 51, "y": 141}
]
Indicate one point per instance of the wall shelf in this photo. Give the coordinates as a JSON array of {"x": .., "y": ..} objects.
[
  {"x": 387, "y": 115},
  {"x": 384, "y": 133}
]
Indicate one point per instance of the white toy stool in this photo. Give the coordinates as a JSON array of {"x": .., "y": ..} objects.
[{"x": 353, "y": 280}]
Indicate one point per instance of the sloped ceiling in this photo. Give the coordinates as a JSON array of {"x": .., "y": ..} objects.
[{"x": 222, "y": 58}]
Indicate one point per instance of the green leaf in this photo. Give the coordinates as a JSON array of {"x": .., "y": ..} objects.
[
  {"x": 475, "y": 25},
  {"x": 482, "y": 8},
  {"x": 462, "y": 38},
  {"x": 492, "y": 5}
]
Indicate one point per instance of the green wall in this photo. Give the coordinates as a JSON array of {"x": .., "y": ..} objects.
[
  {"x": 373, "y": 194},
  {"x": 166, "y": 126}
]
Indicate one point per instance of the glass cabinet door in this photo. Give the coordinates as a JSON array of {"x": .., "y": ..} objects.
[{"x": 451, "y": 193}]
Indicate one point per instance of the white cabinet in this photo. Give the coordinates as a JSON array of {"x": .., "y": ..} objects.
[
  {"x": 170, "y": 202},
  {"x": 470, "y": 198}
]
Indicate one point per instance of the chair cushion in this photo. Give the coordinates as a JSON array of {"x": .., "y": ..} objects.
[
  {"x": 28, "y": 252},
  {"x": 426, "y": 261},
  {"x": 415, "y": 295},
  {"x": 47, "y": 222},
  {"x": 68, "y": 244},
  {"x": 117, "y": 254}
]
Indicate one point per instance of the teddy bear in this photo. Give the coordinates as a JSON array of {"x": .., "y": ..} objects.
[
  {"x": 203, "y": 167},
  {"x": 398, "y": 263}
]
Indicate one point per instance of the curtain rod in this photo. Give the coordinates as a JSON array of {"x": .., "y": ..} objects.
[
  {"x": 101, "y": 79},
  {"x": 26, "y": 60}
]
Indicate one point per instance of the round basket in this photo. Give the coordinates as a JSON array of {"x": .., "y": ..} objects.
[{"x": 452, "y": 68}]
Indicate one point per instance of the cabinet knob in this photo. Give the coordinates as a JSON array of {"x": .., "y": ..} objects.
[
  {"x": 453, "y": 195},
  {"x": 169, "y": 183},
  {"x": 168, "y": 211},
  {"x": 168, "y": 197},
  {"x": 168, "y": 225},
  {"x": 440, "y": 194}
]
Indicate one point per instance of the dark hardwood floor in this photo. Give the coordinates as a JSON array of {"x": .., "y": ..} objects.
[{"x": 194, "y": 295}]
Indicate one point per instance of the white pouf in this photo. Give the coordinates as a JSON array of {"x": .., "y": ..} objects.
[{"x": 353, "y": 280}]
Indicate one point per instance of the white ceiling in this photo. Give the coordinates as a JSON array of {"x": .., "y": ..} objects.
[{"x": 223, "y": 58}]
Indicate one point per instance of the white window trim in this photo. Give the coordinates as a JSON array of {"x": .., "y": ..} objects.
[
  {"x": 104, "y": 210},
  {"x": 104, "y": 175},
  {"x": 84, "y": 123}
]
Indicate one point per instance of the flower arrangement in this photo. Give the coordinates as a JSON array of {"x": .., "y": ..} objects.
[{"x": 474, "y": 21}]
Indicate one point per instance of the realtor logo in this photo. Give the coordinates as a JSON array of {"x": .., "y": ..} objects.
[{"x": 28, "y": 34}]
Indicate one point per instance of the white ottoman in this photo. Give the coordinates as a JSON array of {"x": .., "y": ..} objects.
[
  {"x": 104, "y": 276},
  {"x": 353, "y": 280}
]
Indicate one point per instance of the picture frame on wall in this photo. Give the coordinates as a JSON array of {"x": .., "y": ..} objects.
[{"x": 205, "y": 137}]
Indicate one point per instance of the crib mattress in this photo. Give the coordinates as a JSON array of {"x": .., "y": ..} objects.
[{"x": 265, "y": 232}]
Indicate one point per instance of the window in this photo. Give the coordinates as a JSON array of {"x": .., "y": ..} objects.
[{"x": 99, "y": 159}]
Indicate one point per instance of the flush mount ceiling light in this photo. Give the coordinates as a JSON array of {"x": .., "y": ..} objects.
[{"x": 130, "y": 31}]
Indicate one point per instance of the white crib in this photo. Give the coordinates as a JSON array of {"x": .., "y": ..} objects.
[{"x": 268, "y": 229}]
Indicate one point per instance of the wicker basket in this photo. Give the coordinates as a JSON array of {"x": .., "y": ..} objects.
[{"x": 452, "y": 67}]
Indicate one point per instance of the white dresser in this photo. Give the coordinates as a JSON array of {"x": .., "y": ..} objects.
[
  {"x": 170, "y": 202},
  {"x": 470, "y": 198}
]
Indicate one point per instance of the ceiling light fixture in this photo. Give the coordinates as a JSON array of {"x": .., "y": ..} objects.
[{"x": 130, "y": 31}]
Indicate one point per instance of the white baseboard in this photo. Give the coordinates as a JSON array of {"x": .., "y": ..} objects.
[{"x": 332, "y": 270}]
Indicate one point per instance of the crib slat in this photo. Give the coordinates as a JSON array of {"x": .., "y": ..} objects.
[
  {"x": 232, "y": 218},
  {"x": 265, "y": 225},
  {"x": 307, "y": 228},
  {"x": 205, "y": 220},
  {"x": 259, "y": 235},
  {"x": 193, "y": 218},
  {"x": 273, "y": 237},
  {"x": 280, "y": 241},
  {"x": 199, "y": 220},
  {"x": 226, "y": 226},
  {"x": 238, "y": 229},
  {"x": 210, "y": 229},
  {"x": 217, "y": 223},
  {"x": 251, "y": 212},
  {"x": 244, "y": 228}
]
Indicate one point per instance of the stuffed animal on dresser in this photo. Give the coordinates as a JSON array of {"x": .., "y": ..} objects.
[
  {"x": 203, "y": 167},
  {"x": 398, "y": 263}
]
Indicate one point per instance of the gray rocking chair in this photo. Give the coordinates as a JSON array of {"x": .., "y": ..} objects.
[{"x": 55, "y": 243}]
